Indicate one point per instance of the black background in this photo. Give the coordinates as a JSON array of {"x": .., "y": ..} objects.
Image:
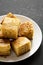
[{"x": 32, "y": 9}]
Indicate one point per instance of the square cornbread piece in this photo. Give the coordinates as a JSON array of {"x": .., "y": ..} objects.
[
  {"x": 10, "y": 32},
  {"x": 4, "y": 47},
  {"x": 10, "y": 26},
  {"x": 26, "y": 29},
  {"x": 11, "y": 20},
  {"x": 21, "y": 45}
]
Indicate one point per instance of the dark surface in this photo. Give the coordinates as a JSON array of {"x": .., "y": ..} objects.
[{"x": 32, "y": 9}]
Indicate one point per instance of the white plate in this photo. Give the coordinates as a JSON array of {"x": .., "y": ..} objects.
[{"x": 36, "y": 42}]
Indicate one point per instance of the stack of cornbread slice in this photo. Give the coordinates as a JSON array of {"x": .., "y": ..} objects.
[{"x": 21, "y": 33}]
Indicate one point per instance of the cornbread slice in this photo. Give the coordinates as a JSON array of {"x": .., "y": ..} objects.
[
  {"x": 4, "y": 47},
  {"x": 26, "y": 29},
  {"x": 10, "y": 26},
  {"x": 11, "y": 20},
  {"x": 10, "y": 32},
  {"x": 21, "y": 45}
]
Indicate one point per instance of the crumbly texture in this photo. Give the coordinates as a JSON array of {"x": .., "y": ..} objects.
[
  {"x": 11, "y": 20},
  {"x": 26, "y": 29},
  {"x": 10, "y": 32},
  {"x": 21, "y": 45},
  {"x": 10, "y": 26}
]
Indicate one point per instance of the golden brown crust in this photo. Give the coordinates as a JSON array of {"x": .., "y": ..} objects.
[
  {"x": 21, "y": 45},
  {"x": 11, "y": 20},
  {"x": 4, "y": 47},
  {"x": 10, "y": 32},
  {"x": 10, "y": 26},
  {"x": 26, "y": 29}
]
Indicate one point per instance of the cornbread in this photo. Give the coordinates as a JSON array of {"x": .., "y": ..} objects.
[
  {"x": 10, "y": 26},
  {"x": 4, "y": 47},
  {"x": 26, "y": 29},
  {"x": 21, "y": 45}
]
